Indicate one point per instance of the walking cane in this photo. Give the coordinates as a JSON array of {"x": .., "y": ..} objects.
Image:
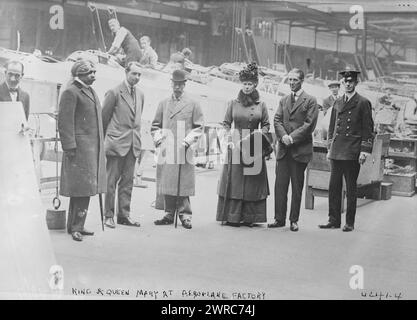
[
  {"x": 178, "y": 191},
  {"x": 100, "y": 200},
  {"x": 178, "y": 194}
]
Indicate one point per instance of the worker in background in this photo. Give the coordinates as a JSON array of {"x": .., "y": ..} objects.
[
  {"x": 176, "y": 62},
  {"x": 10, "y": 89},
  {"x": 124, "y": 39},
  {"x": 328, "y": 102},
  {"x": 410, "y": 112},
  {"x": 149, "y": 56},
  {"x": 387, "y": 98},
  {"x": 388, "y": 105},
  {"x": 186, "y": 52}
]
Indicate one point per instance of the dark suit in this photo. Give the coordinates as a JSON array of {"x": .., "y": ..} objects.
[
  {"x": 351, "y": 131},
  {"x": 80, "y": 128},
  {"x": 22, "y": 96},
  {"x": 298, "y": 121},
  {"x": 122, "y": 113}
]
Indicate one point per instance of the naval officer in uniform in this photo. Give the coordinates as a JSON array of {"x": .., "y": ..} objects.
[{"x": 350, "y": 141}]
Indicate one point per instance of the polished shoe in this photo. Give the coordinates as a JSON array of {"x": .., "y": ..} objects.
[
  {"x": 186, "y": 223},
  {"x": 329, "y": 225},
  {"x": 294, "y": 226},
  {"x": 233, "y": 224},
  {"x": 249, "y": 224},
  {"x": 86, "y": 232},
  {"x": 164, "y": 221},
  {"x": 276, "y": 224},
  {"x": 126, "y": 221},
  {"x": 109, "y": 222},
  {"x": 77, "y": 236},
  {"x": 347, "y": 228}
]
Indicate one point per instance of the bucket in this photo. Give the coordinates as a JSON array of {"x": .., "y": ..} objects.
[
  {"x": 386, "y": 190},
  {"x": 55, "y": 219}
]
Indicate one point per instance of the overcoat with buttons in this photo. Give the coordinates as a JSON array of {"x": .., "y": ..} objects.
[
  {"x": 351, "y": 128},
  {"x": 250, "y": 187},
  {"x": 175, "y": 122},
  {"x": 80, "y": 127},
  {"x": 298, "y": 121}
]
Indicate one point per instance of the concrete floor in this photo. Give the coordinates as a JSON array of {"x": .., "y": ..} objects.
[{"x": 255, "y": 263}]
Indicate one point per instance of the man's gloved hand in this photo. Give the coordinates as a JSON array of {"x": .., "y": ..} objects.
[
  {"x": 287, "y": 140},
  {"x": 363, "y": 156}
]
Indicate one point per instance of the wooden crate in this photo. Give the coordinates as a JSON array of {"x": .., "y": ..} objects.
[
  {"x": 402, "y": 185},
  {"x": 405, "y": 148}
]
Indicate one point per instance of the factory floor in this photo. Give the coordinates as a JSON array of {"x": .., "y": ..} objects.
[{"x": 241, "y": 263}]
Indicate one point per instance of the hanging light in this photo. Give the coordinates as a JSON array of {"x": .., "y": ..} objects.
[
  {"x": 389, "y": 40},
  {"x": 343, "y": 31}
]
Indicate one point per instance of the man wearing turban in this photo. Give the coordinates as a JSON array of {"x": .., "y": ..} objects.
[{"x": 83, "y": 171}]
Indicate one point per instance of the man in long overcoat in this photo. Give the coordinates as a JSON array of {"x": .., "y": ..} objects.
[
  {"x": 83, "y": 172},
  {"x": 178, "y": 124}
]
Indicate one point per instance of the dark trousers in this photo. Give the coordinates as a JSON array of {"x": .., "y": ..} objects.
[
  {"x": 287, "y": 169},
  {"x": 350, "y": 170},
  {"x": 120, "y": 171},
  {"x": 77, "y": 213},
  {"x": 183, "y": 203}
]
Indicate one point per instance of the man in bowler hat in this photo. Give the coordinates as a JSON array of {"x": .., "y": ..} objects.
[
  {"x": 177, "y": 125},
  {"x": 350, "y": 141}
]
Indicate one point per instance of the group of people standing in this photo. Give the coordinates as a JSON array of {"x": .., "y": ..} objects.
[
  {"x": 242, "y": 198},
  {"x": 90, "y": 134},
  {"x": 102, "y": 142}
]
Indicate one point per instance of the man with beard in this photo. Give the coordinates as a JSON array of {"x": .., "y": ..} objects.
[
  {"x": 294, "y": 123},
  {"x": 178, "y": 124},
  {"x": 83, "y": 171},
  {"x": 122, "y": 111},
  {"x": 350, "y": 141}
]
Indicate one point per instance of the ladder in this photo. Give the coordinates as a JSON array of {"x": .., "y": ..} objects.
[
  {"x": 242, "y": 44},
  {"x": 376, "y": 65},
  {"x": 253, "y": 50},
  {"x": 360, "y": 65}
]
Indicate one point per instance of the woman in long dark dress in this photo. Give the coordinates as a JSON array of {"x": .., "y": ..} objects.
[{"x": 242, "y": 197}]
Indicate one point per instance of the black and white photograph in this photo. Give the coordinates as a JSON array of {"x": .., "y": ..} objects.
[{"x": 232, "y": 151}]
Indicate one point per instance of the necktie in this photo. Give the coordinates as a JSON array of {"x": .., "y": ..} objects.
[
  {"x": 346, "y": 99},
  {"x": 292, "y": 99},
  {"x": 132, "y": 93},
  {"x": 13, "y": 89}
]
